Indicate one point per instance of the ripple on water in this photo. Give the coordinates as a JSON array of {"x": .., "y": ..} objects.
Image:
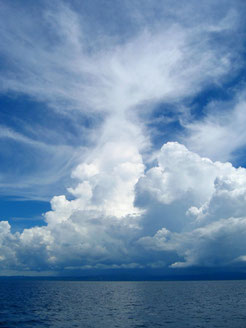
[{"x": 61, "y": 304}]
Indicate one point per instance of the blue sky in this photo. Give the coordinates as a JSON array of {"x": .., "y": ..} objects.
[{"x": 122, "y": 136}]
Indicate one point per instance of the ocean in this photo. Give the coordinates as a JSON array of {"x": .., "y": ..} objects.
[{"x": 180, "y": 304}]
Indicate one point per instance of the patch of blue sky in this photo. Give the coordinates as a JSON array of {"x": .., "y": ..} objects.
[
  {"x": 225, "y": 92},
  {"x": 38, "y": 121},
  {"x": 32, "y": 135},
  {"x": 164, "y": 124},
  {"x": 166, "y": 119},
  {"x": 239, "y": 157},
  {"x": 23, "y": 214}
]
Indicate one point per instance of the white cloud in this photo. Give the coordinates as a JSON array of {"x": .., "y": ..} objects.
[
  {"x": 27, "y": 177},
  {"x": 214, "y": 232},
  {"x": 221, "y": 133},
  {"x": 106, "y": 222},
  {"x": 167, "y": 62},
  {"x": 110, "y": 231},
  {"x": 51, "y": 60},
  {"x": 177, "y": 174}
]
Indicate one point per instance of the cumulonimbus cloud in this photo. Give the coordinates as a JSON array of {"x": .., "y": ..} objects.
[
  {"x": 119, "y": 212},
  {"x": 102, "y": 224}
]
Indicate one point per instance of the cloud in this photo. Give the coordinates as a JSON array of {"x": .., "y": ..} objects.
[
  {"x": 208, "y": 226},
  {"x": 28, "y": 162},
  {"x": 124, "y": 210},
  {"x": 48, "y": 57},
  {"x": 221, "y": 134},
  {"x": 176, "y": 176},
  {"x": 149, "y": 66},
  {"x": 212, "y": 233},
  {"x": 221, "y": 243}
]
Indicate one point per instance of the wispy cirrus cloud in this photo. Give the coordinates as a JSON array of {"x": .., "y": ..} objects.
[
  {"x": 220, "y": 135},
  {"x": 49, "y": 57}
]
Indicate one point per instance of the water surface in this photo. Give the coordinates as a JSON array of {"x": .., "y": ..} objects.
[{"x": 122, "y": 304}]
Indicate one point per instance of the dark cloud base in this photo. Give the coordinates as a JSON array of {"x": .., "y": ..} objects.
[{"x": 191, "y": 274}]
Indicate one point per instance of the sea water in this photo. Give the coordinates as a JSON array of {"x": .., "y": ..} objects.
[{"x": 122, "y": 304}]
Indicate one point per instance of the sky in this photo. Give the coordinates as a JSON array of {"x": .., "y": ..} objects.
[{"x": 122, "y": 136}]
